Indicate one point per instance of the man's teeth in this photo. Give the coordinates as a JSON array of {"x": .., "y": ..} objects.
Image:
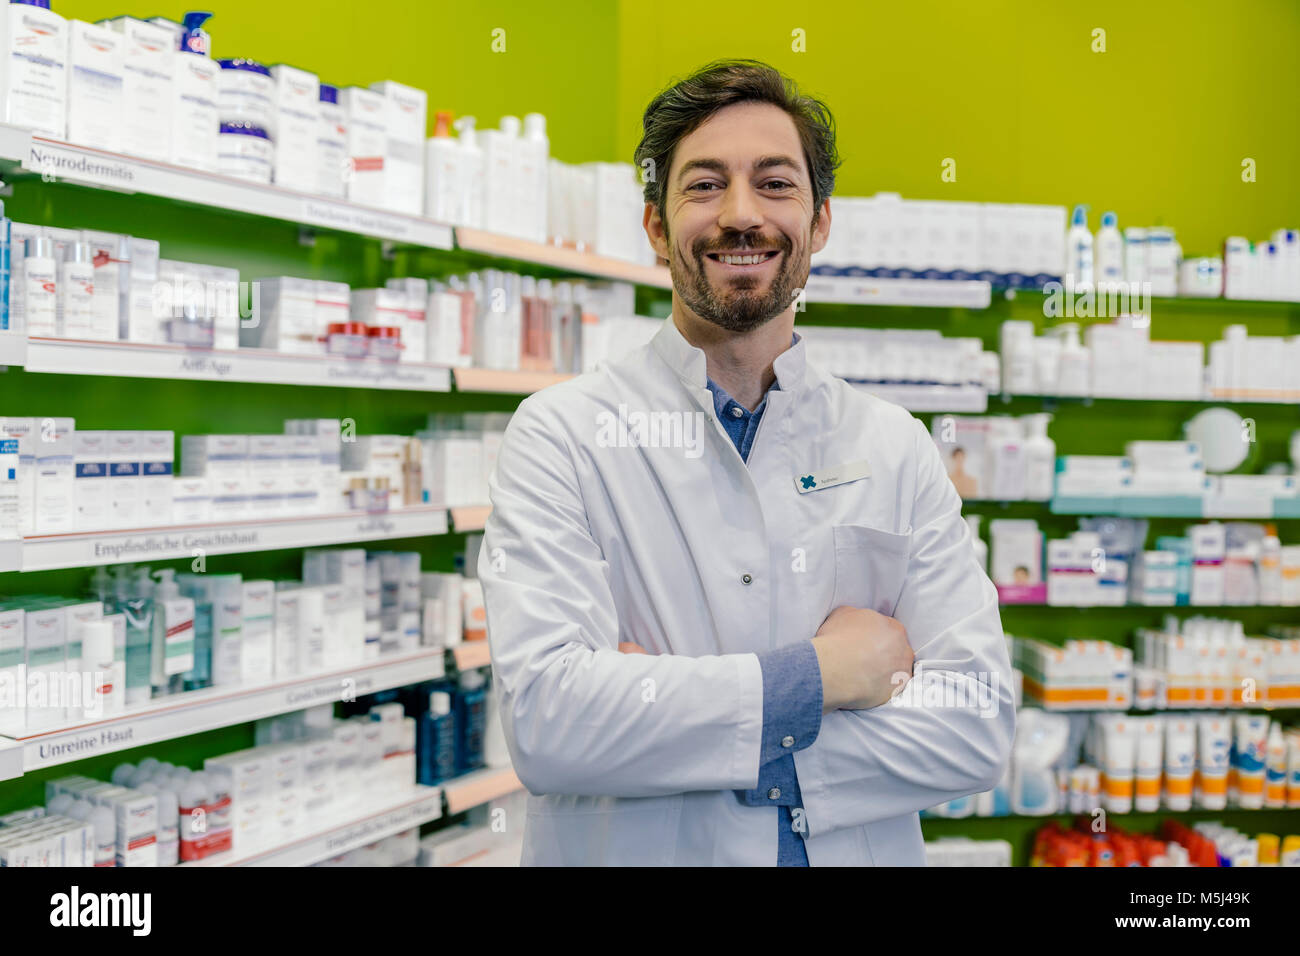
[{"x": 743, "y": 260}]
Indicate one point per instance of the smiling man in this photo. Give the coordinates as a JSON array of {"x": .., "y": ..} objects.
[{"x": 696, "y": 655}]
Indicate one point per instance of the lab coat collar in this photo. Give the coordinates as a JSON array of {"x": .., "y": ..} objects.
[{"x": 688, "y": 362}]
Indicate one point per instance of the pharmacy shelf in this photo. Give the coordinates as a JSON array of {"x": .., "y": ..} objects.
[
  {"x": 471, "y": 654},
  {"x": 1155, "y": 607},
  {"x": 932, "y": 293},
  {"x": 143, "y": 360},
  {"x": 562, "y": 258},
  {"x": 477, "y": 788},
  {"x": 929, "y": 398},
  {"x": 92, "y": 548},
  {"x": 55, "y": 160},
  {"x": 13, "y": 348},
  {"x": 1286, "y": 398},
  {"x": 1178, "y": 506},
  {"x": 202, "y": 710},
  {"x": 389, "y": 815},
  {"x": 11, "y": 759},
  {"x": 469, "y": 518},
  {"x": 503, "y": 382}
]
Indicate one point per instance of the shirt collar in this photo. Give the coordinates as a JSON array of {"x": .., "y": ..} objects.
[{"x": 689, "y": 364}]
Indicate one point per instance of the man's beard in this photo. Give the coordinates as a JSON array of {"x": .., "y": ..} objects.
[{"x": 741, "y": 308}]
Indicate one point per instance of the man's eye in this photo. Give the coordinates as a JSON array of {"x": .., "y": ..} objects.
[
  {"x": 700, "y": 187},
  {"x": 778, "y": 183}
]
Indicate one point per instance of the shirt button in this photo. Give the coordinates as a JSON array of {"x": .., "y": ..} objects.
[
  {"x": 787, "y": 741},
  {"x": 747, "y": 579},
  {"x": 737, "y": 411},
  {"x": 774, "y": 793}
]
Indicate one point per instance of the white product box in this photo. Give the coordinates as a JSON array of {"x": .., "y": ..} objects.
[
  {"x": 1209, "y": 544},
  {"x": 45, "y": 634},
  {"x": 76, "y": 614},
  {"x": 23, "y": 430},
  {"x": 194, "y": 110},
  {"x": 366, "y": 114},
  {"x": 257, "y": 659},
  {"x": 191, "y": 501},
  {"x": 95, "y": 74},
  {"x": 297, "y": 127},
  {"x": 112, "y": 258},
  {"x": 333, "y": 304},
  {"x": 12, "y": 669},
  {"x": 415, "y": 342},
  {"x": 287, "y": 318},
  {"x": 331, "y": 145},
  {"x": 157, "y": 475},
  {"x": 35, "y": 78},
  {"x": 380, "y": 307},
  {"x": 447, "y": 340},
  {"x": 214, "y": 456},
  {"x": 53, "y": 490},
  {"x": 230, "y": 499},
  {"x": 145, "y": 305},
  {"x": 311, "y": 630},
  {"x": 91, "y": 483},
  {"x": 405, "y": 109},
  {"x": 146, "y": 88},
  {"x": 334, "y": 638},
  {"x": 286, "y": 632},
  {"x": 318, "y": 776},
  {"x": 125, "y": 487}
]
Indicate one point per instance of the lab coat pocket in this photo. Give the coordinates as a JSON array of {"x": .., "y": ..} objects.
[
  {"x": 870, "y": 567},
  {"x": 601, "y": 831}
]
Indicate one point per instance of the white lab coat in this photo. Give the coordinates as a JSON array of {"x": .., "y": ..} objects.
[{"x": 633, "y": 759}]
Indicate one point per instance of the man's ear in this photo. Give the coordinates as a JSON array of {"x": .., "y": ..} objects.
[
  {"x": 821, "y": 229},
  {"x": 656, "y": 231}
]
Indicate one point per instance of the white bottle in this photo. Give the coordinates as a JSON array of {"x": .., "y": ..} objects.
[
  {"x": 1006, "y": 460},
  {"x": 1075, "y": 369},
  {"x": 1017, "y": 346},
  {"x": 534, "y": 152},
  {"x": 105, "y": 825},
  {"x": 194, "y": 110},
  {"x": 107, "y": 675},
  {"x": 471, "y": 174},
  {"x": 1078, "y": 250},
  {"x": 500, "y": 169},
  {"x": 1040, "y": 458},
  {"x": 442, "y": 172},
  {"x": 1109, "y": 250},
  {"x": 1135, "y": 257},
  {"x": 76, "y": 305},
  {"x": 169, "y": 846},
  {"x": 40, "y": 287},
  {"x": 121, "y": 774}
]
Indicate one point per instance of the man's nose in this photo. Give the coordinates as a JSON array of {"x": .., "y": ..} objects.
[{"x": 740, "y": 209}]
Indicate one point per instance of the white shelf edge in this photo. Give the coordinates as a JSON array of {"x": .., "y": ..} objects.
[
  {"x": 421, "y": 805},
  {"x": 209, "y": 709},
  {"x": 94, "y": 548},
  {"x": 929, "y": 398},
  {"x": 924, "y": 293},
  {"x": 562, "y": 258},
  {"x": 141, "y": 360},
  {"x": 87, "y": 166}
]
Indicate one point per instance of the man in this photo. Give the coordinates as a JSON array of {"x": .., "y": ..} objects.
[{"x": 783, "y": 568}]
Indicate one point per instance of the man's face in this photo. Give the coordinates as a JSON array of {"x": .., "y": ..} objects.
[{"x": 737, "y": 228}]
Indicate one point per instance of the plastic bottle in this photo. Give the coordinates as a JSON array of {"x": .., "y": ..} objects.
[
  {"x": 1040, "y": 458},
  {"x": 172, "y": 649},
  {"x": 500, "y": 169},
  {"x": 107, "y": 674},
  {"x": 1074, "y": 369},
  {"x": 121, "y": 774},
  {"x": 534, "y": 153},
  {"x": 76, "y": 304},
  {"x": 436, "y": 740},
  {"x": 139, "y": 635},
  {"x": 471, "y": 174},
  {"x": 471, "y": 721},
  {"x": 1078, "y": 245},
  {"x": 1006, "y": 459},
  {"x": 200, "y": 675},
  {"x": 105, "y": 827},
  {"x": 442, "y": 187},
  {"x": 60, "y": 804},
  {"x": 1109, "y": 250},
  {"x": 40, "y": 287}
]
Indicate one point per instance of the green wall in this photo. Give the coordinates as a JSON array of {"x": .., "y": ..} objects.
[{"x": 1154, "y": 128}]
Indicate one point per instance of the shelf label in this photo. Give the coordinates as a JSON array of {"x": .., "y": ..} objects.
[
  {"x": 55, "y": 162},
  {"x": 395, "y": 820},
  {"x": 374, "y": 222},
  {"x": 66, "y": 747}
]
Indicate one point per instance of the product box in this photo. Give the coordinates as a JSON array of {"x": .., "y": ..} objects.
[
  {"x": 331, "y": 145},
  {"x": 147, "y": 303},
  {"x": 146, "y": 87},
  {"x": 285, "y": 653},
  {"x": 297, "y": 127},
  {"x": 36, "y": 85},
  {"x": 962, "y": 445},
  {"x": 157, "y": 451},
  {"x": 214, "y": 456},
  {"x": 23, "y": 431},
  {"x": 55, "y": 476},
  {"x": 1209, "y": 543},
  {"x": 112, "y": 257},
  {"x": 286, "y": 318},
  {"x": 366, "y": 113},
  {"x": 1016, "y": 560},
  {"x": 125, "y": 487},
  {"x": 191, "y": 501},
  {"x": 77, "y": 613},
  {"x": 195, "y": 118},
  {"x": 312, "y": 655},
  {"x": 257, "y": 653},
  {"x": 405, "y": 122},
  {"x": 91, "y": 482},
  {"x": 95, "y": 73}
]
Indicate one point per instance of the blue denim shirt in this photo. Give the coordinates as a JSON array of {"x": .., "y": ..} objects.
[{"x": 792, "y": 685}]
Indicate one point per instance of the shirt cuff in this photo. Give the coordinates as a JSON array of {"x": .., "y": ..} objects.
[{"x": 792, "y": 700}]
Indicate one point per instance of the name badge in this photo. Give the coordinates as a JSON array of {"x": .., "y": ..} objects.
[{"x": 830, "y": 477}]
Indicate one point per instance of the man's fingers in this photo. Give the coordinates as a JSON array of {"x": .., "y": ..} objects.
[{"x": 627, "y": 647}]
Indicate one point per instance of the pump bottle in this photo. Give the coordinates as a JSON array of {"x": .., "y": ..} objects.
[
  {"x": 1040, "y": 458},
  {"x": 173, "y": 635},
  {"x": 1109, "y": 251},
  {"x": 1078, "y": 244}
]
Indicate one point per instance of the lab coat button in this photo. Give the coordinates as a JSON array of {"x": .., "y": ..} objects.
[
  {"x": 747, "y": 579},
  {"x": 787, "y": 741},
  {"x": 774, "y": 793}
]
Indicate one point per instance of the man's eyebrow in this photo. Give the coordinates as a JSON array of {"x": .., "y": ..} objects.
[{"x": 718, "y": 166}]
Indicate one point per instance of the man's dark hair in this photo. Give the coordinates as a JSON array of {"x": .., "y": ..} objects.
[{"x": 683, "y": 107}]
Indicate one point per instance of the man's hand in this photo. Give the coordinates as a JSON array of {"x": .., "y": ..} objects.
[
  {"x": 864, "y": 656},
  {"x": 627, "y": 647}
]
